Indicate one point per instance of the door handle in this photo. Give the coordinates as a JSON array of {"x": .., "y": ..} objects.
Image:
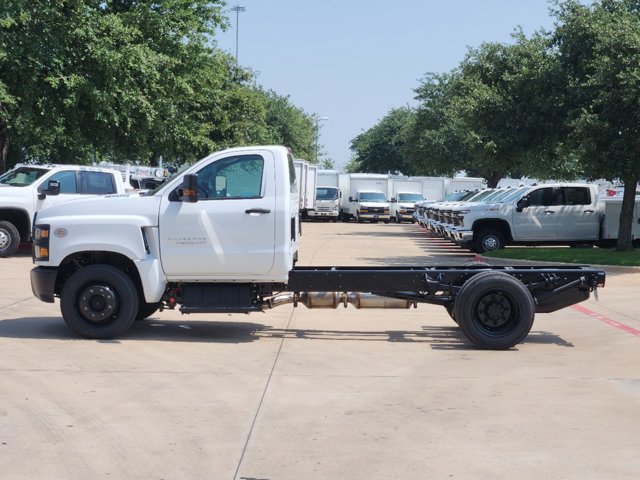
[
  {"x": 257, "y": 211},
  {"x": 549, "y": 212},
  {"x": 588, "y": 211}
]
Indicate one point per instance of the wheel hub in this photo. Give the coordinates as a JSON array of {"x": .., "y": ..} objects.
[
  {"x": 494, "y": 310},
  {"x": 97, "y": 303},
  {"x": 4, "y": 239},
  {"x": 490, "y": 243}
]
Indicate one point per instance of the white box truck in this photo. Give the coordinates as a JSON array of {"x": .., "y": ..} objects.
[
  {"x": 405, "y": 193},
  {"x": 364, "y": 197},
  {"x": 328, "y": 196},
  {"x": 306, "y": 175}
]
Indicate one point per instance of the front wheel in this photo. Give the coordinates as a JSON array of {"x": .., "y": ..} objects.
[
  {"x": 494, "y": 310},
  {"x": 9, "y": 239},
  {"x": 488, "y": 240},
  {"x": 99, "y": 301},
  {"x": 145, "y": 310}
]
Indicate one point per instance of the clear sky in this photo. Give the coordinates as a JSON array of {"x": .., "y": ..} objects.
[{"x": 354, "y": 60}]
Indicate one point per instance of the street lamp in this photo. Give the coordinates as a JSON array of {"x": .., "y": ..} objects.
[
  {"x": 318, "y": 120},
  {"x": 237, "y": 9}
]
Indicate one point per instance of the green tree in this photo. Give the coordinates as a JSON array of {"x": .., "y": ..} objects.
[
  {"x": 599, "y": 50},
  {"x": 289, "y": 125},
  {"x": 133, "y": 79},
  {"x": 435, "y": 136},
  {"x": 380, "y": 149}
]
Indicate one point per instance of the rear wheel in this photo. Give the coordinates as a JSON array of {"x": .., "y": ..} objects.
[
  {"x": 99, "y": 301},
  {"x": 9, "y": 239},
  {"x": 494, "y": 310}
]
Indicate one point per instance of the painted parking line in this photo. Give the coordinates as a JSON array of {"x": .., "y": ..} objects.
[{"x": 607, "y": 320}]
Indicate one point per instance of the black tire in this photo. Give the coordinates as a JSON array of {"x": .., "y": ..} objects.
[
  {"x": 488, "y": 240},
  {"x": 99, "y": 301},
  {"x": 9, "y": 239},
  {"x": 358, "y": 218},
  {"x": 145, "y": 310},
  {"x": 494, "y": 310}
]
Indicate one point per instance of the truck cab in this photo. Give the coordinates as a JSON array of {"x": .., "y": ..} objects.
[
  {"x": 327, "y": 204},
  {"x": 369, "y": 206},
  {"x": 403, "y": 206}
]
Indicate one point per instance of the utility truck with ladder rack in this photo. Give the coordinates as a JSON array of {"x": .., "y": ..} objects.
[{"x": 222, "y": 237}]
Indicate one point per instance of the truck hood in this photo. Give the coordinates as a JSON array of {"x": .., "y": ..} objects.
[
  {"x": 127, "y": 208},
  {"x": 9, "y": 191}
]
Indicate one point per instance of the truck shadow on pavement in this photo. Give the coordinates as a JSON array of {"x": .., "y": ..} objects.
[{"x": 438, "y": 337}]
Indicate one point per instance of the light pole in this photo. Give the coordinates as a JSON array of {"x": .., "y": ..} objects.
[
  {"x": 318, "y": 120},
  {"x": 237, "y": 9}
]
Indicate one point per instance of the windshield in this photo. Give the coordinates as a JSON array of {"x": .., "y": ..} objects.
[
  {"x": 410, "y": 197},
  {"x": 515, "y": 194},
  {"x": 480, "y": 195},
  {"x": 22, "y": 176},
  {"x": 326, "y": 193},
  {"x": 375, "y": 197}
]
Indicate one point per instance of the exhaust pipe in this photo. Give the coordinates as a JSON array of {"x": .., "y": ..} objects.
[{"x": 334, "y": 299}]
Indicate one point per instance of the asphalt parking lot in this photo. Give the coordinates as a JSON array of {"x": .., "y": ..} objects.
[{"x": 322, "y": 394}]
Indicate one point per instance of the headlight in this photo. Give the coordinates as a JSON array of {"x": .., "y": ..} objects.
[{"x": 41, "y": 242}]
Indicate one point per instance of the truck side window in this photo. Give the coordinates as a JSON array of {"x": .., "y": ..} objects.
[
  {"x": 97, "y": 183},
  {"x": 67, "y": 179},
  {"x": 575, "y": 196},
  {"x": 232, "y": 177},
  {"x": 541, "y": 197}
]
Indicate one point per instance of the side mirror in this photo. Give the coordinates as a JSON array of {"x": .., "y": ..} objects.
[
  {"x": 351, "y": 199},
  {"x": 394, "y": 199},
  {"x": 522, "y": 204},
  {"x": 188, "y": 192},
  {"x": 53, "y": 188}
]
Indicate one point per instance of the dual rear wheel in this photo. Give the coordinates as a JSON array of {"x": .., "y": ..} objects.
[{"x": 494, "y": 310}]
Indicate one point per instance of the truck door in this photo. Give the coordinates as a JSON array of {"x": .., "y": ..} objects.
[
  {"x": 578, "y": 216},
  {"x": 539, "y": 220},
  {"x": 69, "y": 189},
  {"x": 230, "y": 231}
]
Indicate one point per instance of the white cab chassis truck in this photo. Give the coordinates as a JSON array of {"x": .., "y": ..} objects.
[
  {"x": 25, "y": 189},
  {"x": 222, "y": 237}
]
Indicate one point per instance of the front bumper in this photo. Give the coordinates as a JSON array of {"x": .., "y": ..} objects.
[
  {"x": 375, "y": 216},
  {"x": 43, "y": 281},
  {"x": 461, "y": 237},
  {"x": 320, "y": 213}
]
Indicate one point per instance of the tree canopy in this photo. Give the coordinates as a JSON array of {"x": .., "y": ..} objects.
[
  {"x": 555, "y": 105},
  {"x": 129, "y": 80}
]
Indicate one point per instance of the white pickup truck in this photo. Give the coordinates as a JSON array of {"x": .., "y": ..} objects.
[
  {"x": 28, "y": 188},
  {"x": 563, "y": 213},
  {"x": 222, "y": 237}
]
